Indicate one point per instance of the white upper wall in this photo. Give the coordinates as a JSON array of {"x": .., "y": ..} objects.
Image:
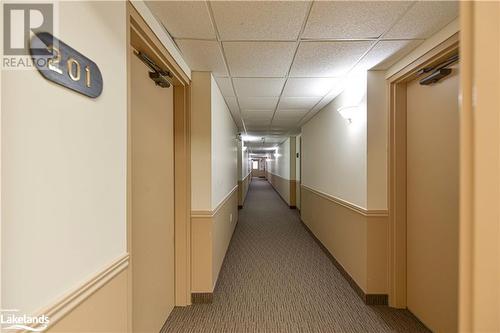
[
  {"x": 243, "y": 161},
  {"x": 334, "y": 151},
  {"x": 64, "y": 165},
  {"x": 224, "y": 147},
  {"x": 279, "y": 162}
]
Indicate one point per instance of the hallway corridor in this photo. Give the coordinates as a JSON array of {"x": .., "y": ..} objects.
[{"x": 275, "y": 278}]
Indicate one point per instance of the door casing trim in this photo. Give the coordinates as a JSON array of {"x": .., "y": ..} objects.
[
  {"x": 140, "y": 37},
  {"x": 397, "y": 165}
]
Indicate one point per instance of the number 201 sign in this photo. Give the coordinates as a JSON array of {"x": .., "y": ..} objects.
[{"x": 62, "y": 64}]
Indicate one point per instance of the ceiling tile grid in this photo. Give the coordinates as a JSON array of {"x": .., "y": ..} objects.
[
  {"x": 277, "y": 63},
  {"x": 184, "y": 19},
  {"x": 259, "y": 20},
  {"x": 352, "y": 19},
  {"x": 258, "y": 59},
  {"x": 259, "y": 87}
]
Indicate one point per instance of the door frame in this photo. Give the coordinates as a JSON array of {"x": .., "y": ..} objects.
[
  {"x": 397, "y": 166},
  {"x": 140, "y": 37}
]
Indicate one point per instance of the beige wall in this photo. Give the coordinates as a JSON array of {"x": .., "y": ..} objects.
[
  {"x": 201, "y": 141},
  {"x": 104, "y": 311},
  {"x": 377, "y": 108},
  {"x": 64, "y": 167},
  {"x": 479, "y": 261},
  {"x": 281, "y": 185},
  {"x": 214, "y": 183},
  {"x": 211, "y": 234},
  {"x": 357, "y": 239}
]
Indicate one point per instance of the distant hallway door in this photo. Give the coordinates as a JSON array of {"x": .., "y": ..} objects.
[
  {"x": 152, "y": 193},
  {"x": 432, "y": 202}
]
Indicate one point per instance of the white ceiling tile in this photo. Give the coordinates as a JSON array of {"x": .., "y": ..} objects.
[
  {"x": 202, "y": 56},
  {"x": 259, "y": 20},
  {"x": 259, "y": 133},
  {"x": 424, "y": 19},
  {"x": 186, "y": 19},
  {"x": 352, "y": 19},
  {"x": 258, "y": 114},
  {"x": 290, "y": 114},
  {"x": 257, "y": 103},
  {"x": 309, "y": 87},
  {"x": 268, "y": 87},
  {"x": 386, "y": 53},
  {"x": 285, "y": 122},
  {"x": 259, "y": 59},
  {"x": 254, "y": 128},
  {"x": 257, "y": 122},
  {"x": 327, "y": 59},
  {"x": 298, "y": 102},
  {"x": 225, "y": 86},
  {"x": 278, "y": 129},
  {"x": 232, "y": 104}
]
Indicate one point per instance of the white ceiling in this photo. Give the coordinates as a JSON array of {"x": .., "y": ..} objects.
[{"x": 277, "y": 62}]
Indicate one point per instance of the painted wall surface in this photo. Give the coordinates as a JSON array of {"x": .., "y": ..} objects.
[
  {"x": 224, "y": 147},
  {"x": 377, "y": 141},
  {"x": 244, "y": 162},
  {"x": 64, "y": 166},
  {"x": 201, "y": 141},
  {"x": 214, "y": 167},
  {"x": 281, "y": 170},
  {"x": 224, "y": 223},
  {"x": 480, "y": 167},
  {"x": 243, "y": 172},
  {"x": 334, "y": 151},
  {"x": 107, "y": 309},
  {"x": 297, "y": 169},
  {"x": 279, "y": 162},
  {"x": 347, "y": 161}
]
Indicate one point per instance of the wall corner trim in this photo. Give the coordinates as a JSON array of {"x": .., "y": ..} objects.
[
  {"x": 213, "y": 212},
  {"x": 67, "y": 303},
  {"x": 347, "y": 204}
]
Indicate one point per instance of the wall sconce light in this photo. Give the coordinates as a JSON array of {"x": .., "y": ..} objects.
[{"x": 348, "y": 112}]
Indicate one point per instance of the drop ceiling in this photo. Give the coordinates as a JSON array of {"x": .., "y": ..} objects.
[{"x": 277, "y": 62}]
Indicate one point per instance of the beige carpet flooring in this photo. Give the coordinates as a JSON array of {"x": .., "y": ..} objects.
[{"x": 275, "y": 278}]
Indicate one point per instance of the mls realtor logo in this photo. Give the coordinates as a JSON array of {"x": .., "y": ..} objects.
[
  {"x": 13, "y": 320},
  {"x": 21, "y": 22}
]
